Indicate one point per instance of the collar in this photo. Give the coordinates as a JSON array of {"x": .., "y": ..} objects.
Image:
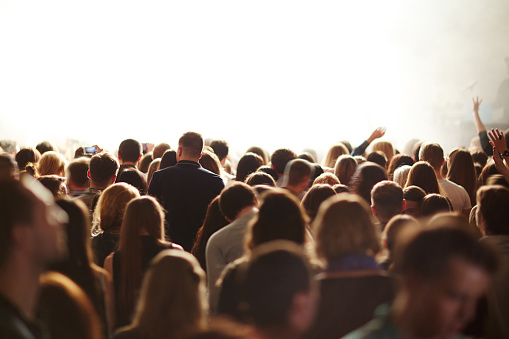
[
  {"x": 353, "y": 262},
  {"x": 188, "y": 163}
]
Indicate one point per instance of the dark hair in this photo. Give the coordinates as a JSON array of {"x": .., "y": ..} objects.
[
  {"x": 378, "y": 157},
  {"x": 423, "y": 175},
  {"x": 462, "y": 172},
  {"x": 340, "y": 188},
  {"x": 435, "y": 203},
  {"x": 306, "y": 156},
  {"x": 297, "y": 170},
  {"x": 270, "y": 171},
  {"x": 55, "y": 184},
  {"x": 168, "y": 159},
  {"x": 214, "y": 221},
  {"x": 397, "y": 161},
  {"x": 366, "y": 176},
  {"x": 261, "y": 152},
  {"x": 103, "y": 167},
  {"x": 236, "y": 197},
  {"x": 191, "y": 144},
  {"x": 387, "y": 198},
  {"x": 210, "y": 162},
  {"x": 314, "y": 198},
  {"x": 433, "y": 154},
  {"x": 130, "y": 150},
  {"x": 260, "y": 178},
  {"x": 345, "y": 168},
  {"x": 8, "y": 166},
  {"x": 45, "y": 146},
  {"x": 159, "y": 150},
  {"x": 488, "y": 170},
  {"x": 135, "y": 178},
  {"x": 145, "y": 161},
  {"x": 25, "y": 156},
  {"x": 414, "y": 193},
  {"x": 280, "y": 158},
  {"x": 493, "y": 204},
  {"x": 497, "y": 179},
  {"x": 249, "y": 163},
  {"x": 448, "y": 243},
  {"x": 220, "y": 148},
  {"x": 480, "y": 158},
  {"x": 77, "y": 171}
]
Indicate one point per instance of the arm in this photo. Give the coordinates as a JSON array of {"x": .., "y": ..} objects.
[
  {"x": 499, "y": 146},
  {"x": 481, "y": 129},
  {"x": 377, "y": 133}
]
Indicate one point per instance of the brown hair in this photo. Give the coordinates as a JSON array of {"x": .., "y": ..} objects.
[
  {"x": 111, "y": 205},
  {"x": 154, "y": 166},
  {"x": 345, "y": 168},
  {"x": 314, "y": 197},
  {"x": 462, "y": 172},
  {"x": 326, "y": 178},
  {"x": 422, "y": 175},
  {"x": 385, "y": 147},
  {"x": 334, "y": 153},
  {"x": 210, "y": 161},
  {"x": 433, "y": 154},
  {"x": 103, "y": 167},
  {"x": 191, "y": 144},
  {"x": 493, "y": 204},
  {"x": 52, "y": 162},
  {"x": 397, "y": 161}
]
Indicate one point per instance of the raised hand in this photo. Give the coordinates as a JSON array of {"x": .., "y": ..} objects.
[
  {"x": 477, "y": 102},
  {"x": 497, "y": 140},
  {"x": 377, "y": 133}
]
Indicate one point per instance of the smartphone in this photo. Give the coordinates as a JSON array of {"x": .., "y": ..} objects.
[
  {"x": 90, "y": 150},
  {"x": 145, "y": 147}
]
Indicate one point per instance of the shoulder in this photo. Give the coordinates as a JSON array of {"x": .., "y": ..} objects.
[{"x": 127, "y": 333}]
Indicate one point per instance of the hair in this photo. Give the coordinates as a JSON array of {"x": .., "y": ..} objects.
[
  {"x": 378, "y": 157},
  {"x": 416, "y": 149},
  {"x": 235, "y": 198},
  {"x": 210, "y": 162},
  {"x": 480, "y": 158},
  {"x": 280, "y": 158},
  {"x": 191, "y": 144},
  {"x": 314, "y": 197},
  {"x": 160, "y": 149},
  {"x": 348, "y": 145},
  {"x": 416, "y": 258},
  {"x": 261, "y": 152},
  {"x": 497, "y": 179},
  {"x": 462, "y": 172},
  {"x": 487, "y": 171},
  {"x": 111, "y": 205},
  {"x": 55, "y": 184},
  {"x": 130, "y": 150},
  {"x": 326, "y": 178},
  {"x": 249, "y": 163},
  {"x": 365, "y": 177},
  {"x": 214, "y": 221},
  {"x": 220, "y": 148},
  {"x": 172, "y": 298},
  {"x": 414, "y": 194},
  {"x": 422, "y": 174},
  {"x": 45, "y": 146},
  {"x": 340, "y": 188},
  {"x": 260, "y": 178},
  {"x": 103, "y": 167},
  {"x": 135, "y": 178},
  {"x": 154, "y": 166},
  {"x": 269, "y": 170},
  {"x": 280, "y": 217},
  {"x": 27, "y": 155},
  {"x": 77, "y": 172},
  {"x": 400, "y": 175},
  {"x": 433, "y": 154},
  {"x": 65, "y": 309},
  {"x": 345, "y": 168},
  {"x": 297, "y": 170},
  {"x": 145, "y": 161},
  {"x": 334, "y": 153},
  {"x": 435, "y": 203},
  {"x": 17, "y": 205},
  {"x": 141, "y": 214},
  {"x": 168, "y": 159},
  {"x": 385, "y": 147},
  {"x": 8, "y": 166},
  {"x": 52, "y": 163},
  {"x": 395, "y": 228},
  {"x": 306, "y": 156},
  {"x": 493, "y": 204},
  {"x": 397, "y": 161},
  {"x": 344, "y": 225},
  {"x": 387, "y": 198}
]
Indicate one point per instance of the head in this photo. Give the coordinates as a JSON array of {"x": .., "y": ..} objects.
[
  {"x": 52, "y": 163},
  {"x": 397, "y": 161},
  {"x": 378, "y": 157},
  {"x": 235, "y": 198},
  {"x": 159, "y": 150},
  {"x": 55, "y": 184},
  {"x": 261, "y": 152},
  {"x": 169, "y": 159},
  {"x": 461, "y": 170},
  {"x": 102, "y": 170},
  {"x": 385, "y": 147},
  {"x": 190, "y": 146},
  {"x": 130, "y": 151},
  {"x": 492, "y": 207},
  {"x": 280, "y": 158},
  {"x": 345, "y": 168},
  {"x": 387, "y": 200},
  {"x": 433, "y": 154},
  {"x": 269, "y": 170},
  {"x": 340, "y": 188},
  {"x": 307, "y": 156},
  {"x": 220, "y": 148},
  {"x": 249, "y": 163},
  {"x": 172, "y": 300},
  {"x": 8, "y": 167},
  {"x": 413, "y": 196},
  {"x": 333, "y": 154},
  {"x": 9, "y": 146},
  {"x": 326, "y": 178},
  {"x": 435, "y": 203},
  {"x": 488, "y": 170},
  {"x": 153, "y": 167},
  {"x": 279, "y": 217},
  {"x": 314, "y": 197},
  {"x": 400, "y": 175},
  {"x": 45, "y": 146},
  {"x": 145, "y": 161},
  {"x": 27, "y": 155},
  {"x": 77, "y": 178},
  {"x": 439, "y": 288},
  {"x": 297, "y": 175},
  {"x": 422, "y": 174},
  {"x": 260, "y": 178},
  {"x": 397, "y": 227},
  {"x": 111, "y": 205},
  {"x": 134, "y": 178},
  {"x": 365, "y": 177},
  {"x": 344, "y": 225},
  {"x": 210, "y": 162}
]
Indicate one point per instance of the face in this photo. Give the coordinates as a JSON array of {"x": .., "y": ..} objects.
[
  {"x": 447, "y": 303},
  {"x": 412, "y": 209}
]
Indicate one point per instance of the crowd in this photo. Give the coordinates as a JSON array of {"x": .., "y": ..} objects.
[{"x": 184, "y": 242}]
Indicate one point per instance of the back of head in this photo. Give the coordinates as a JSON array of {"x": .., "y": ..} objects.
[
  {"x": 191, "y": 144},
  {"x": 55, "y": 184},
  {"x": 314, "y": 197},
  {"x": 159, "y": 150},
  {"x": 385, "y": 147},
  {"x": 52, "y": 162},
  {"x": 497, "y": 179},
  {"x": 493, "y": 204},
  {"x": 235, "y": 198},
  {"x": 397, "y": 161},
  {"x": 334, "y": 153},
  {"x": 145, "y": 161},
  {"x": 220, "y": 148},
  {"x": 433, "y": 204},
  {"x": 169, "y": 159},
  {"x": 210, "y": 162},
  {"x": 307, "y": 156},
  {"x": 345, "y": 168},
  {"x": 77, "y": 172},
  {"x": 111, "y": 206},
  {"x": 387, "y": 199},
  {"x": 8, "y": 167},
  {"x": 25, "y": 156},
  {"x": 280, "y": 158},
  {"x": 433, "y": 154},
  {"x": 249, "y": 163},
  {"x": 396, "y": 227},
  {"x": 488, "y": 170},
  {"x": 269, "y": 170},
  {"x": 344, "y": 225},
  {"x": 296, "y": 171},
  {"x": 103, "y": 168},
  {"x": 326, "y": 178},
  {"x": 365, "y": 177},
  {"x": 422, "y": 174},
  {"x": 280, "y": 217},
  {"x": 130, "y": 150},
  {"x": 401, "y": 175},
  {"x": 378, "y": 157},
  {"x": 45, "y": 146},
  {"x": 172, "y": 297},
  {"x": 260, "y": 178},
  {"x": 135, "y": 178}
]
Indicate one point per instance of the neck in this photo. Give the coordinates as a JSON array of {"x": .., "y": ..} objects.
[
  {"x": 246, "y": 211},
  {"x": 128, "y": 163},
  {"x": 97, "y": 186},
  {"x": 438, "y": 173},
  {"x": 185, "y": 158}
]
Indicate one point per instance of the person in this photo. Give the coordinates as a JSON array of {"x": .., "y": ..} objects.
[
  {"x": 396, "y": 162},
  {"x": 326, "y": 178},
  {"x": 145, "y": 161},
  {"x": 345, "y": 168},
  {"x": 55, "y": 184},
  {"x": 172, "y": 299},
  {"x": 461, "y": 171},
  {"x": 260, "y": 178},
  {"x": 413, "y": 196},
  {"x": 141, "y": 239},
  {"x": 400, "y": 175},
  {"x": 433, "y": 204},
  {"x": 352, "y": 284},
  {"x": 8, "y": 167},
  {"x": 30, "y": 240},
  {"x": 159, "y": 150},
  {"x": 422, "y": 175},
  {"x": 135, "y": 178},
  {"x": 333, "y": 154},
  {"x": 434, "y": 155},
  {"x": 493, "y": 203},
  {"x": 314, "y": 197},
  {"x": 168, "y": 159},
  {"x": 365, "y": 177},
  {"x": 52, "y": 162},
  {"x": 102, "y": 172},
  {"x": 248, "y": 164},
  {"x": 278, "y": 160},
  {"x": 377, "y": 133},
  {"x": 386, "y": 201},
  {"x": 210, "y": 162},
  {"x": 443, "y": 272},
  {"x": 391, "y": 235},
  {"x": 153, "y": 167},
  {"x": 261, "y": 152},
  {"x": 221, "y": 149},
  {"x": 45, "y": 146},
  {"x": 239, "y": 206},
  {"x": 297, "y": 175},
  {"x": 108, "y": 219},
  {"x": 386, "y": 148},
  {"x": 77, "y": 179},
  {"x": 378, "y": 157},
  {"x": 185, "y": 191},
  {"x": 25, "y": 156},
  {"x": 130, "y": 152}
]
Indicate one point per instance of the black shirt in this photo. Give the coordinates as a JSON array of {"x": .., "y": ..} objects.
[{"x": 14, "y": 325}]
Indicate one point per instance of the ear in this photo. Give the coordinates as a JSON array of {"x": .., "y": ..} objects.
[
  {"x": 139, "y": 158},
  {"x": 179, "y": 151}
]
